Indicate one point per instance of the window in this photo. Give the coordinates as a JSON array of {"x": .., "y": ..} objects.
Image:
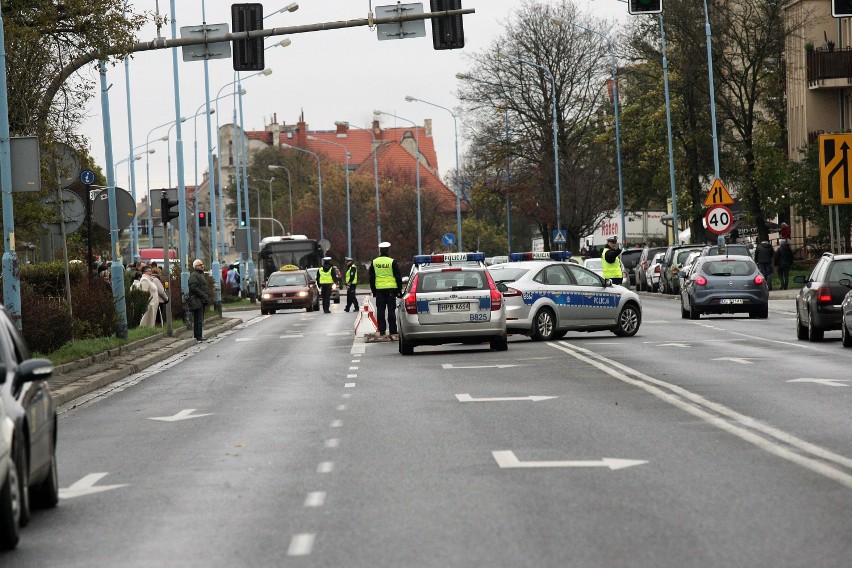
[
  {"x": 555, "y": 275},
  {"x": 584, "y": 277},
  {"x": 839, "y": 269}
]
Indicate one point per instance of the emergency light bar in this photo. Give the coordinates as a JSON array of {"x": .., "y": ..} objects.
[
  {"x": 450, "y": 257},
  {"x": 552, "y": 255}
]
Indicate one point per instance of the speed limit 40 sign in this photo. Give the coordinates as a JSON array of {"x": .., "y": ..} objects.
[{"x": 719, "y": 219}]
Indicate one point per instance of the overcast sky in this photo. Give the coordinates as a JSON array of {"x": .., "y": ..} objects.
[{"x": 331, "y": 75}]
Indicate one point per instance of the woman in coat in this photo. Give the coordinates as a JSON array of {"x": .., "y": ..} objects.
[{"x": 148, "y": 286}]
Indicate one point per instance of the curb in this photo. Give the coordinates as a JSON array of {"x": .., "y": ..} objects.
[{"x": 127, "y": 360}]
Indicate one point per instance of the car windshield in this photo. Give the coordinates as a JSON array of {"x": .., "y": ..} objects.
[
  {"x": 682, "y": 255},
  {"x": 286, "y": 280},
  {"x": 507, "y": 273},
  {"x": 452, "y": 280},
  {"x": 592, "y": 263},
  {"x": 729, "y": 268}
]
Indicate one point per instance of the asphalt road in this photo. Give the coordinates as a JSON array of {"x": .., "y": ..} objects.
[{"x": 718, "y": 442}]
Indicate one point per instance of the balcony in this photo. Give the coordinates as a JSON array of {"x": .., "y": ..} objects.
[{"x": 829, "y": 69}]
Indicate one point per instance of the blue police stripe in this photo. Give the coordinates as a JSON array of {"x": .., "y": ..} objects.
[{"x": 592, "y": 299}]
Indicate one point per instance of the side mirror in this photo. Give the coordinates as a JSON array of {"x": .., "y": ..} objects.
[
  {"x": 681, "y": 275},
  {"x": 35, "y": 370},
  {"x": 405, "y": 279},
  {"x": 607, "y": 283},
  {"x": 845, "y": 282},
  {"x": 799, "y": 279},
  {"x": 502, "y": 288}
]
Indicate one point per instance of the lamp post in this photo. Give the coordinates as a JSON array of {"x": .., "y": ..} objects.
[
  {"x": 291, "y": 7},
  {"x": 148, "y": 177},
  {"x": 375, "y": 174},
  {"x": 417, "y": 175},
  {"x": 555, "y": 126},
  {"x": 348, "y": 216},
  {"x": 410, "y": 99},
  {"x": 615, "y": 110},
  {"x": 134, "y": 232},
  {"x": 269, "y": 181},
  {"x": 319, "y": 181},
  {"x": 289, "y": 190},
  {"x": 195, "y": 151}
]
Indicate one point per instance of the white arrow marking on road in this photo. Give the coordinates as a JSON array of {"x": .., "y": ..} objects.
[
  {"x": 451, "y": 366},
  {"x": 294, "y": 336},
  {"x": 86, "y": 486},
  {"x": 534, "y": 398},
  {"x": 506, "y": 460},
  {"x": 827, "y": 382},
  {"x": 185, "y": 414},
  {"x": 740, "y": 360}
]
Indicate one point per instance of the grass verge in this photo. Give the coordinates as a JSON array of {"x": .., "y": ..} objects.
[{"x": 83, "y": 348}]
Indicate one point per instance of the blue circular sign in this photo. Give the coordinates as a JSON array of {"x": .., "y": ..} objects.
[
  {"x": 87, "y": 177},
  {"x": 448, "y": 239}
]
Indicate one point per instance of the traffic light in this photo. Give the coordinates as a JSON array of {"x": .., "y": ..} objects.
[
  {"x": 447, "y": 32},
  {"x": 168, "y": 209},
  {"x": 638, "y": 7},
  {"x": 841, "y": 8},
  {"x": 204, "y": 218},
  {"x": 248, "y": 53},
  {"x": 242, "y": 219}
]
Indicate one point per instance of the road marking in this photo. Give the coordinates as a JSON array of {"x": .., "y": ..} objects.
[
  {"x": 332, "y": 443},
  {"x": 336, "y": 423},
  {"x": 697, "y": 341},
  {"x": 325, "y": 467},
  {"x": 353, "y": 368},
  {"x": 301, "y": 545},
  {"x": 356, "y": 360},
  {"x": 506, "y": 459},
  {"x": 337, "y": 333},
  {"x": 349, "y": 385},
  {"x": 534, "y": 398},
  {"x": 352, "y": 376},
  {"x": 655, "y": 321},
  {"x": 535, "y": 358},
  {"x": 185, "y": 414},
  {"x": 86, "y": 486},
  {"x": 451, "y": 366},
  {"x": 740, "y": 360},
  {"x": 341, "y": 407},
  {"x": 315, "y": 499},
  {"x": 826, "y": 382},
  {"x": 730, "y": 421},
  {"x": 347, "y": 395},
  {"x": 300, "y": 324},
  {"x": 673, "y": 345},
  {"x": 292, "y": 336}
]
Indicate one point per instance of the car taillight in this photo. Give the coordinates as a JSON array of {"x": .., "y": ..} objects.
[
  {"x": 410, "y": 300},
  {"x": 759, "y": 279},
  {"x": 824, "y": 295},
  {"x": 700, "y": 280},
  {"x": 657, "y": 269},
  {"x": 511, "y": 293},
  {"x": 496, "y": 296}
]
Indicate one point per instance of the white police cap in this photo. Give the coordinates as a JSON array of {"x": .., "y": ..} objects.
[{"x": 384, "y": 245}]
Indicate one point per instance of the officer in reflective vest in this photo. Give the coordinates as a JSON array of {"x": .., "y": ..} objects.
[
  {"x": 327, "y": 275},
  {"x": 385, "y": 284},
  {"x": 611, "y": 261},
  {"x": 350, "y": 278}
]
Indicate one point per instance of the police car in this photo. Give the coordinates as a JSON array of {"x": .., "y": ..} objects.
[
  {"x": 546, "y": 296},
  {"x": 451, "y": 299}
]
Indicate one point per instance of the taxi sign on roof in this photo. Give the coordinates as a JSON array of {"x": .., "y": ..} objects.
[
  {"x": 288, "y": 268},
  {"x": 718, "y": 195}
]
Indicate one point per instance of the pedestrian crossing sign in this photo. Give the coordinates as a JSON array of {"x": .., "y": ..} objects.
[{"x": 560, "y": 237}]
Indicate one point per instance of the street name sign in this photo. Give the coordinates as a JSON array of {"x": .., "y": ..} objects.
[{"x": 835, "y": 171}]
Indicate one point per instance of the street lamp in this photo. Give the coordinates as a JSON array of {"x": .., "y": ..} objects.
[
  {"x": 195, "y": 151},
  {"x": 134, "y": 232},
  {"x": 269, "y": 181},
  {"x": 291, "y": 7},
  {"x": 417, "y": 175},
  {"x": 375, "y": 173},
  {"x": 466, "y": 77},
  {"x": 319, "y": 181},
  {"x": 348, "y": 217},
  {"x": 555, "y": 126},
  {"x": 409, "y": 98},
  {"x": 148, "y": 176},
  {"x": 615, "y": 109},
  {"x": 289, "y": 189}
]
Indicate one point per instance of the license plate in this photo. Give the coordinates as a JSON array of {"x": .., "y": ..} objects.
[
  {"x": 465, "y": 307},
  {"x": 731, "y": 301},
  {"x": 285, "y": 301}
]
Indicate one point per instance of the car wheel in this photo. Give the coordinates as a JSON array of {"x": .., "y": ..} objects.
[
  {"x": 844, "y": 334},
  {"x": 628, "y": 321},
  {"x": 693, "y": 313},
  {"x": 684, "y": 313},
  {"x": 10, "y": 511},
  {"x": 310, "y": 308},
  {"x": 47, "y": 493},
  {"x": 559, "y": 334},
  {"x": 814, "y": 334},
  {"x": 23, "y": 486},
  {"x": 263, "y": 312},
  {"x": 801, "y": 330},
  {"x": 544, "y": 325},
  {"x": 405, "y": 347},
  {"x": 761, "y": 313},
  {"x": 500, "y": 344}
]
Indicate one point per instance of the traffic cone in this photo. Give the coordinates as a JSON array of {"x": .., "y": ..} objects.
[{"x": 366, "y": 322}]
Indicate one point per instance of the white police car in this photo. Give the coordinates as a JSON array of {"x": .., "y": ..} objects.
[
  {"x": 451, "y": 300},
  {"x": 546, "y": 296}
]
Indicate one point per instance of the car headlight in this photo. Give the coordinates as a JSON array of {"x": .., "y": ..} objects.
[
  {"x": 302, "y": 294},
  {"x": 334, "y": 286},
  {"x": 266, "y": 296}
]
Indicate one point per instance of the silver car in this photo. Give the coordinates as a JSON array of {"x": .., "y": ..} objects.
[
  {"x": 546, "y": 299},
  {"x": 457, "y": 304},
  {"x": 724, "y": 284}
]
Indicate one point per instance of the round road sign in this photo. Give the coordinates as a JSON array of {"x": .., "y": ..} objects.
[
  {"x": 719, "y": 219},
  {"x": 87, "y": 177}
]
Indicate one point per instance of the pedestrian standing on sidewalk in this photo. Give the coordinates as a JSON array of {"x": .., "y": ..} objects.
[
  {"x": 385, "y": 284},
  {"x": 783, "y": 262},
  {"x": 763, "y": 255},
  {"x": 147, "y": 285},
  {"x": 350, "y": 278},
  {"x": 199, "y": 297}
]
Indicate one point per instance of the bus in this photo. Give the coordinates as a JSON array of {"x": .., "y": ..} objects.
[{"x": 297, "y": 250}]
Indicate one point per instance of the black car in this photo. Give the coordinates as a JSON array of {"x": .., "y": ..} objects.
[
  {"x": 629, "y": 258},
  {"x": 670, "y": 266},
  {"x": 818, "y": 304},
  {"x": 29, "y": 404},
  {"x": 639, "y": 275},
  {"x": 846, "y": 316}
]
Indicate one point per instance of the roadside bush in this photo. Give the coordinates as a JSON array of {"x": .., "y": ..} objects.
[
  {"x": 45, "y": 320},
  {"x": 94, "y": 309}
]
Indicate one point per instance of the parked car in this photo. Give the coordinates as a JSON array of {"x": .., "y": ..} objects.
[
  {"x": 629, "y": 260},
  {"x": 846, "y": 315},
  {"x": 670, "y": 266},
  {"x": 287, "y": 290},
  {"x": 723, "y": 284},
  {"x": 729, "y": 249},
  {"x": 818, "y": 304},
  {"x": 10, "y": 489},
  {"x": 640, "y": 271},
  {"x": 652, "y": 272},
  {"x": 690, "y": 263}
]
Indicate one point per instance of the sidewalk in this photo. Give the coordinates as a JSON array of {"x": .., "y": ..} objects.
[{"x": 75, "y": 379}]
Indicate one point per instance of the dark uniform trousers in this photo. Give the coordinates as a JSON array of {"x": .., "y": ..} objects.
[{"x": 386, "y": 303}]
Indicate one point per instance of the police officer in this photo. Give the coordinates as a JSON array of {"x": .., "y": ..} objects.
[
  {"x": 385, "y": 284},
  {"x": 611, "y": 261},
  {"x": 327, "y": 275},
  {"x": 350, "y": 278}
]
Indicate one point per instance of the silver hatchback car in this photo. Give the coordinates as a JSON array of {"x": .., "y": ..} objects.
[
  {"x": 723, "y": 284},
  {"x": 451, "y": 304}
]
